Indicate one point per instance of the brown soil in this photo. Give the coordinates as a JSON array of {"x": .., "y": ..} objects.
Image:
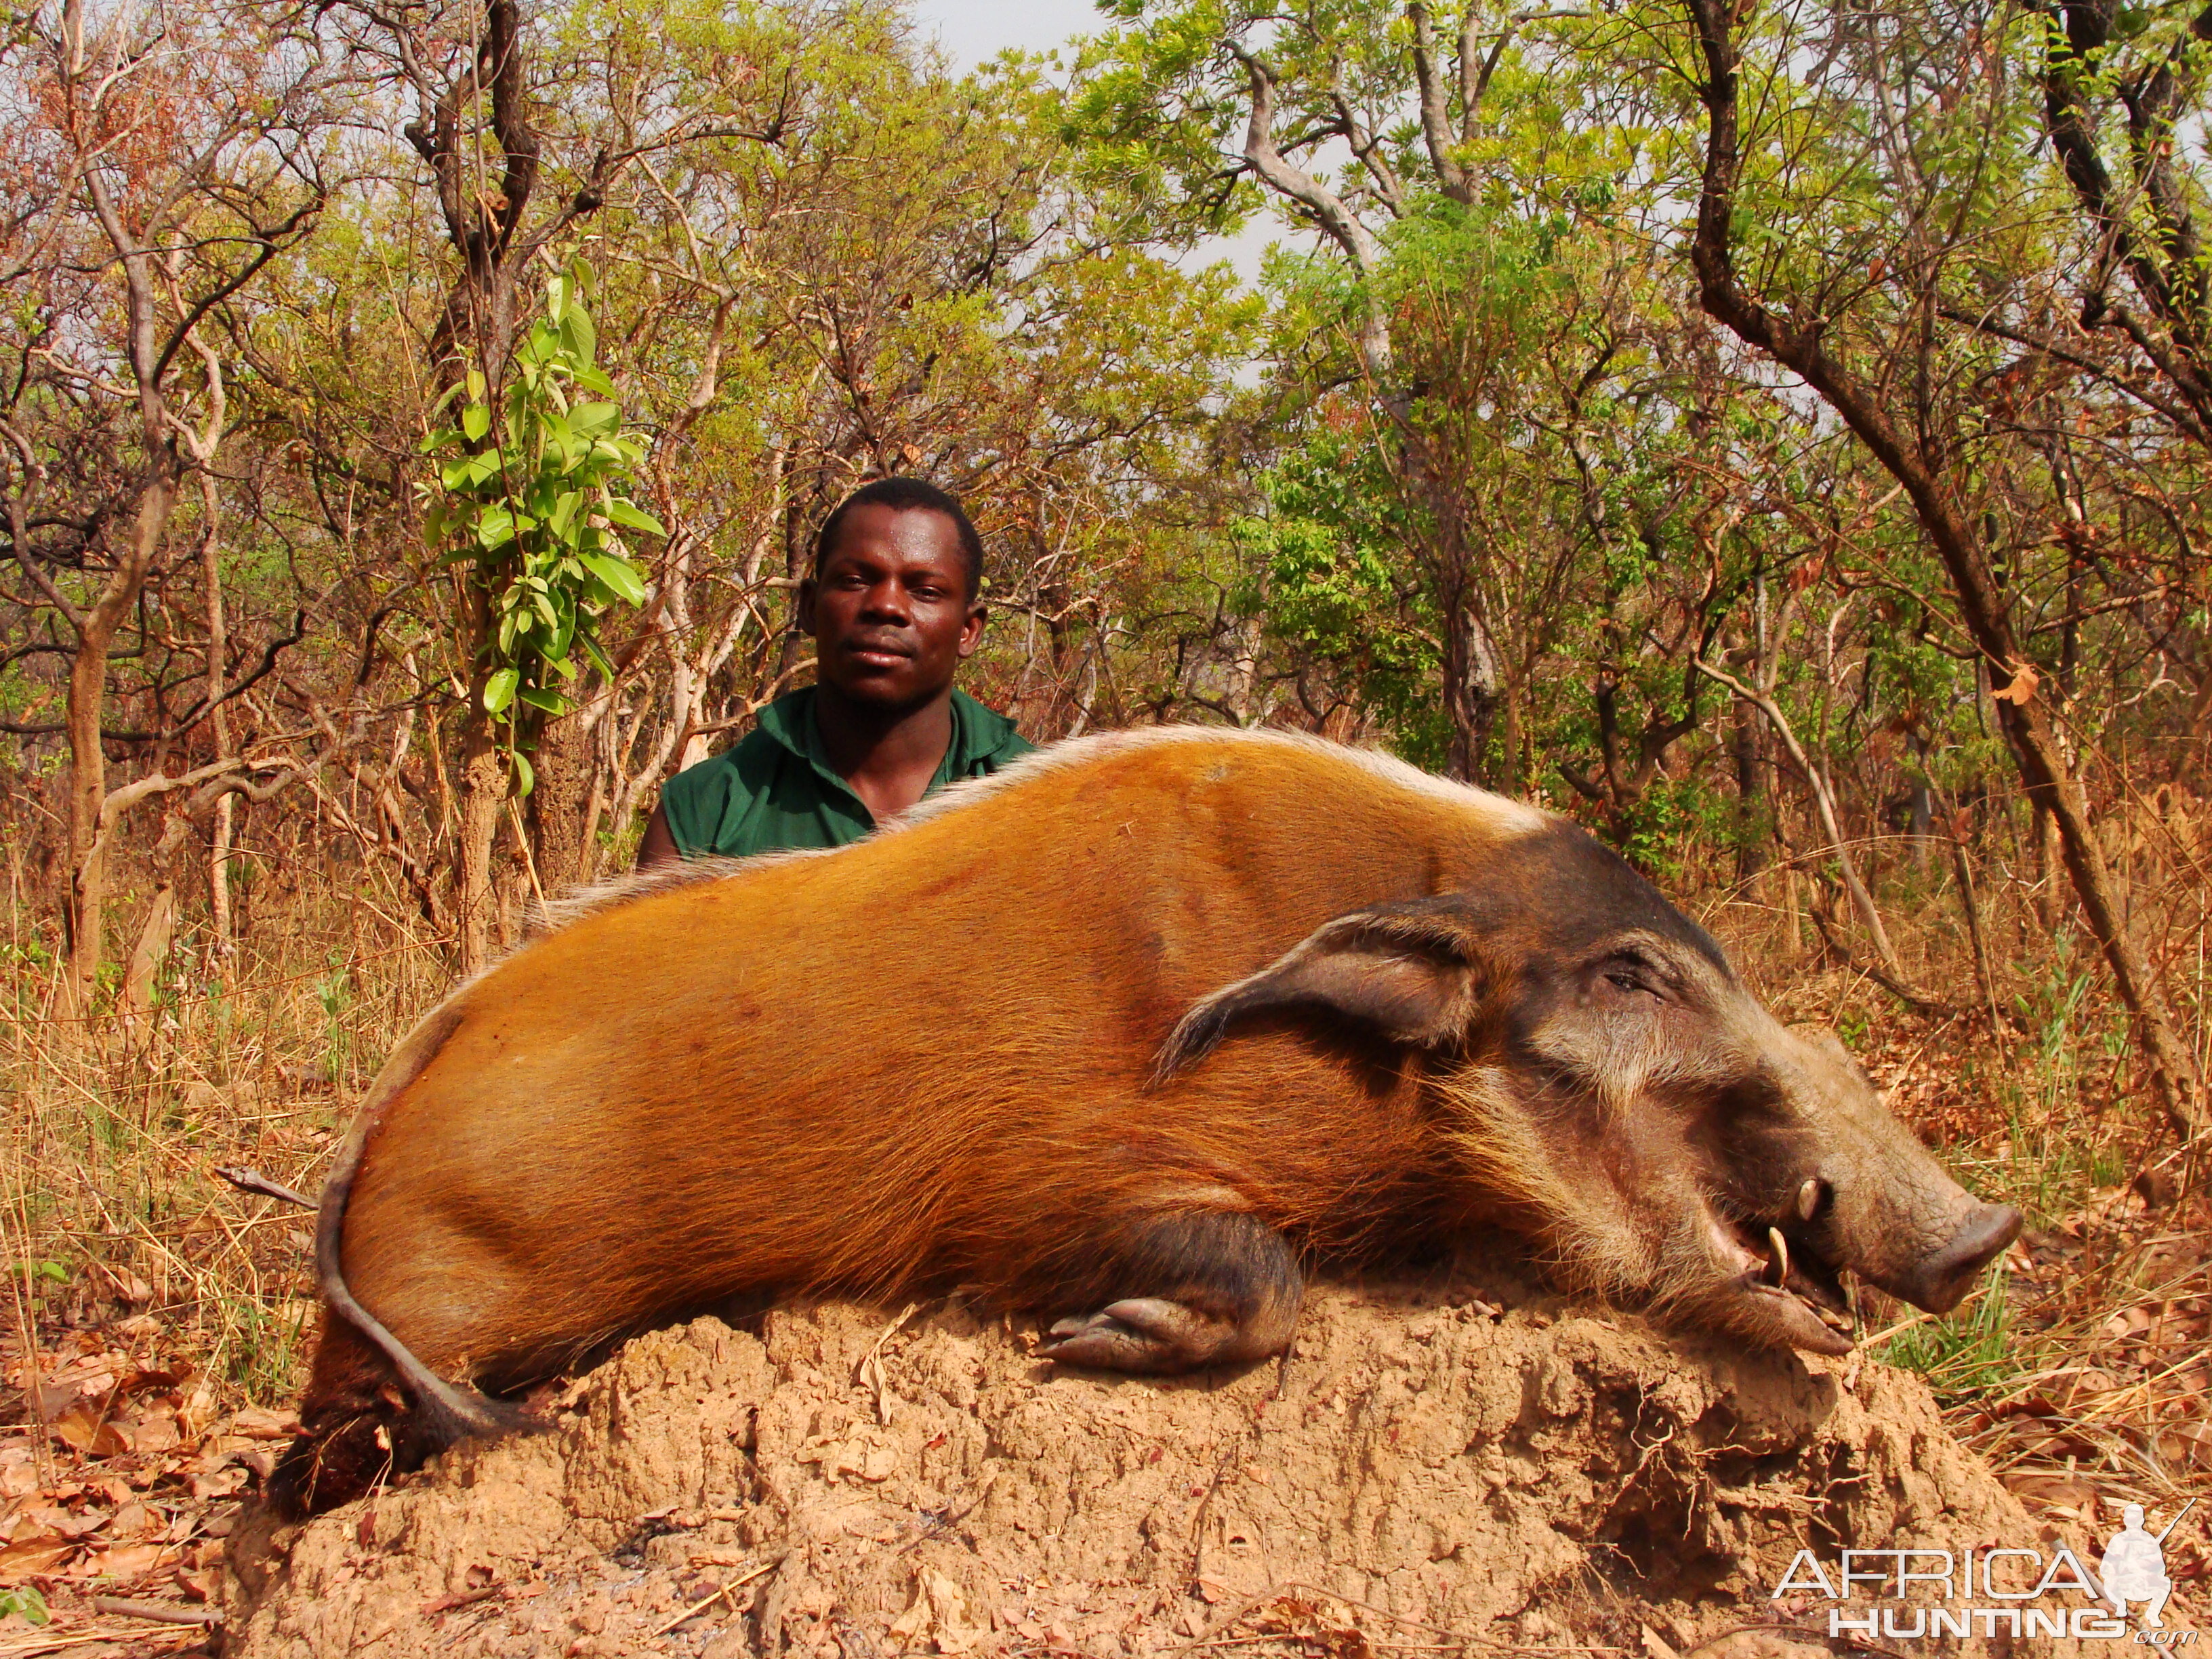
[{"x": 1425, "y": 1471}]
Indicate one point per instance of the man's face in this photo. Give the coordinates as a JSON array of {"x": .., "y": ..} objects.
[{"x": 889, "y": 608}]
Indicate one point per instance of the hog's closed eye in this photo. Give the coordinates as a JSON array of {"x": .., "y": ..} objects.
[{"x": 1633, "y": 974}]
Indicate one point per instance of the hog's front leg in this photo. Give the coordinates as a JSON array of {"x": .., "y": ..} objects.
[{"x": 1198, "y": 1288}]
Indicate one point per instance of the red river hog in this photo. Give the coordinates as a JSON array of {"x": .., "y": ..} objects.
[{"x": 1127, "y": 1035}]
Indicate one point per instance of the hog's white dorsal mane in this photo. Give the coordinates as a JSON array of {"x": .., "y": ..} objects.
[
  {"x": 614, "y": 891},
  {"x": 1504, "y": 816}
]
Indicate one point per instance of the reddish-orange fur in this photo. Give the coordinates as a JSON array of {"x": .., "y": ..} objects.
[{"x": 922, "y": 1057}]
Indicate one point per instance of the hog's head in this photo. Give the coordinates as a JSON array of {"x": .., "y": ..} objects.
[{"x": 1602, "y": 1073}]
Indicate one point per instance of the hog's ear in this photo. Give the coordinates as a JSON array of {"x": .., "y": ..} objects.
[{"x": 1409, "y": 972}]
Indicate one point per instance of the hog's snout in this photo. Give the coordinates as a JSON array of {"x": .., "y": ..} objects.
[{"x": 1938, "y": 1281}]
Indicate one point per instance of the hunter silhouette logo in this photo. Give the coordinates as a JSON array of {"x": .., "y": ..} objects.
[
  {"x": 1991, "y": 1590},
  {"x": 2134, "y": 1568}
]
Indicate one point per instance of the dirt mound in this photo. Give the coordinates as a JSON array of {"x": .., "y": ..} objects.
[{"x": 1424, "y": 1471}]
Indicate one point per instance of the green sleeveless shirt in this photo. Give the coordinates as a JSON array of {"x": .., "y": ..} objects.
[{"x": 776, "y": 789}]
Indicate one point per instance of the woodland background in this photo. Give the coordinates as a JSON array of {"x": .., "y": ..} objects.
[{"x": 1777, "y": 434}]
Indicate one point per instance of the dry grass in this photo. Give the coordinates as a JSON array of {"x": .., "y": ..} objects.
[
  {"x": 106, "y": 1160},
  {"x": 2078, "y": 1371}
]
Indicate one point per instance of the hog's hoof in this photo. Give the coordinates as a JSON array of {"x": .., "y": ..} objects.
[{"x": 1144, "y": 1334}]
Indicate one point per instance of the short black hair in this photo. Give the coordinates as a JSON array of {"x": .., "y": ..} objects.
[{"x": 907, "y": 495}]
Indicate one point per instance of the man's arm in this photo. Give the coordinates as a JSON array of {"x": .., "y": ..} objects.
[{"x": 659, "y": 846}]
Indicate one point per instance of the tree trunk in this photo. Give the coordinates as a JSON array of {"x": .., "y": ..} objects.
[
  {"x": 2049, "y": 868},
  {"x": 219, "y": 947},
  {"x": 221, "y": 838},
  {"x": 1508, "y": 742},
  {"x": 141, "y": 974},
  {"x": 1751, "y": 825},
  {"x": 687, "y": 688},
  {"x": 484, "y": 796},
  {"x": 1963, "y": 873},
  {"x": 86, "y": 912},
  {"x": 563, "y": 760},
  {"x": 1470, "y": 686},
  {"x": 1920, "y": 817},
  {"x": 87, "y": 915}
]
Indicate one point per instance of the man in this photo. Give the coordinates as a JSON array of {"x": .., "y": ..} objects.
[{"x": 894, "y": 609}]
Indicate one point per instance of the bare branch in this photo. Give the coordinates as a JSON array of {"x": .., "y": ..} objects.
[
  {"x": 1325, "y": 208},
  {"x": 1436, "y": 113}
]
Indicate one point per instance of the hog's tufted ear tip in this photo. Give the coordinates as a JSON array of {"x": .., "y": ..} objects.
[{"x": 1196, "y": 1035}]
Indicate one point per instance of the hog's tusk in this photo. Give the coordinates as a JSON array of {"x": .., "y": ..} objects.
[
  {"x": 1808, "y": 1197},
  {"x": 1781, "y": 1255}
]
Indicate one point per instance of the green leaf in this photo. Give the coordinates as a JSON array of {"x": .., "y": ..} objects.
[
  {"x": 476, "y": 422},
  {"x": 619, "y": 574},
  {"x": 524, "y": 779},
  {"x": 470, "y": 473},
  {"x": 552, "y": 702},
  {"x": 630, "y": 516},
  {"x": 499, "y": 690},
  {"x": 494, "y": 528},
  {"x": 577, "y": 334}
]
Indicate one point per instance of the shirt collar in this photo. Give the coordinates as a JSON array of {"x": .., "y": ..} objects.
[{"x": 976, "y": 732}]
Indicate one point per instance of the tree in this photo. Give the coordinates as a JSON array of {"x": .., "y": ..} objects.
[
  {"x": 533, "y": 499},
  {"x": 1428, "y": 239},
  {"x": 478, "y": 128},
  {"x": 168, "y": 155}
]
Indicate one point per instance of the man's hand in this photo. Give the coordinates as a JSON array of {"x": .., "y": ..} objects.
[{"x": 659, "y": 846}]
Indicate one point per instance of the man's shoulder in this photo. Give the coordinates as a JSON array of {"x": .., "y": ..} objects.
[
  {"x": 988, "y": 737},
  {"x": 704, "y": 803},
  {"x": 749, "y": 763}
]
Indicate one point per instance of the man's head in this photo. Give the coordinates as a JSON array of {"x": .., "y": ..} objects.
[
  {"x": 892, "y": 604},
  {"x": 2132, "y": 1517}
]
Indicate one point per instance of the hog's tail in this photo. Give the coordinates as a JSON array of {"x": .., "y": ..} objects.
[{"x": 445, "y": 1412}]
